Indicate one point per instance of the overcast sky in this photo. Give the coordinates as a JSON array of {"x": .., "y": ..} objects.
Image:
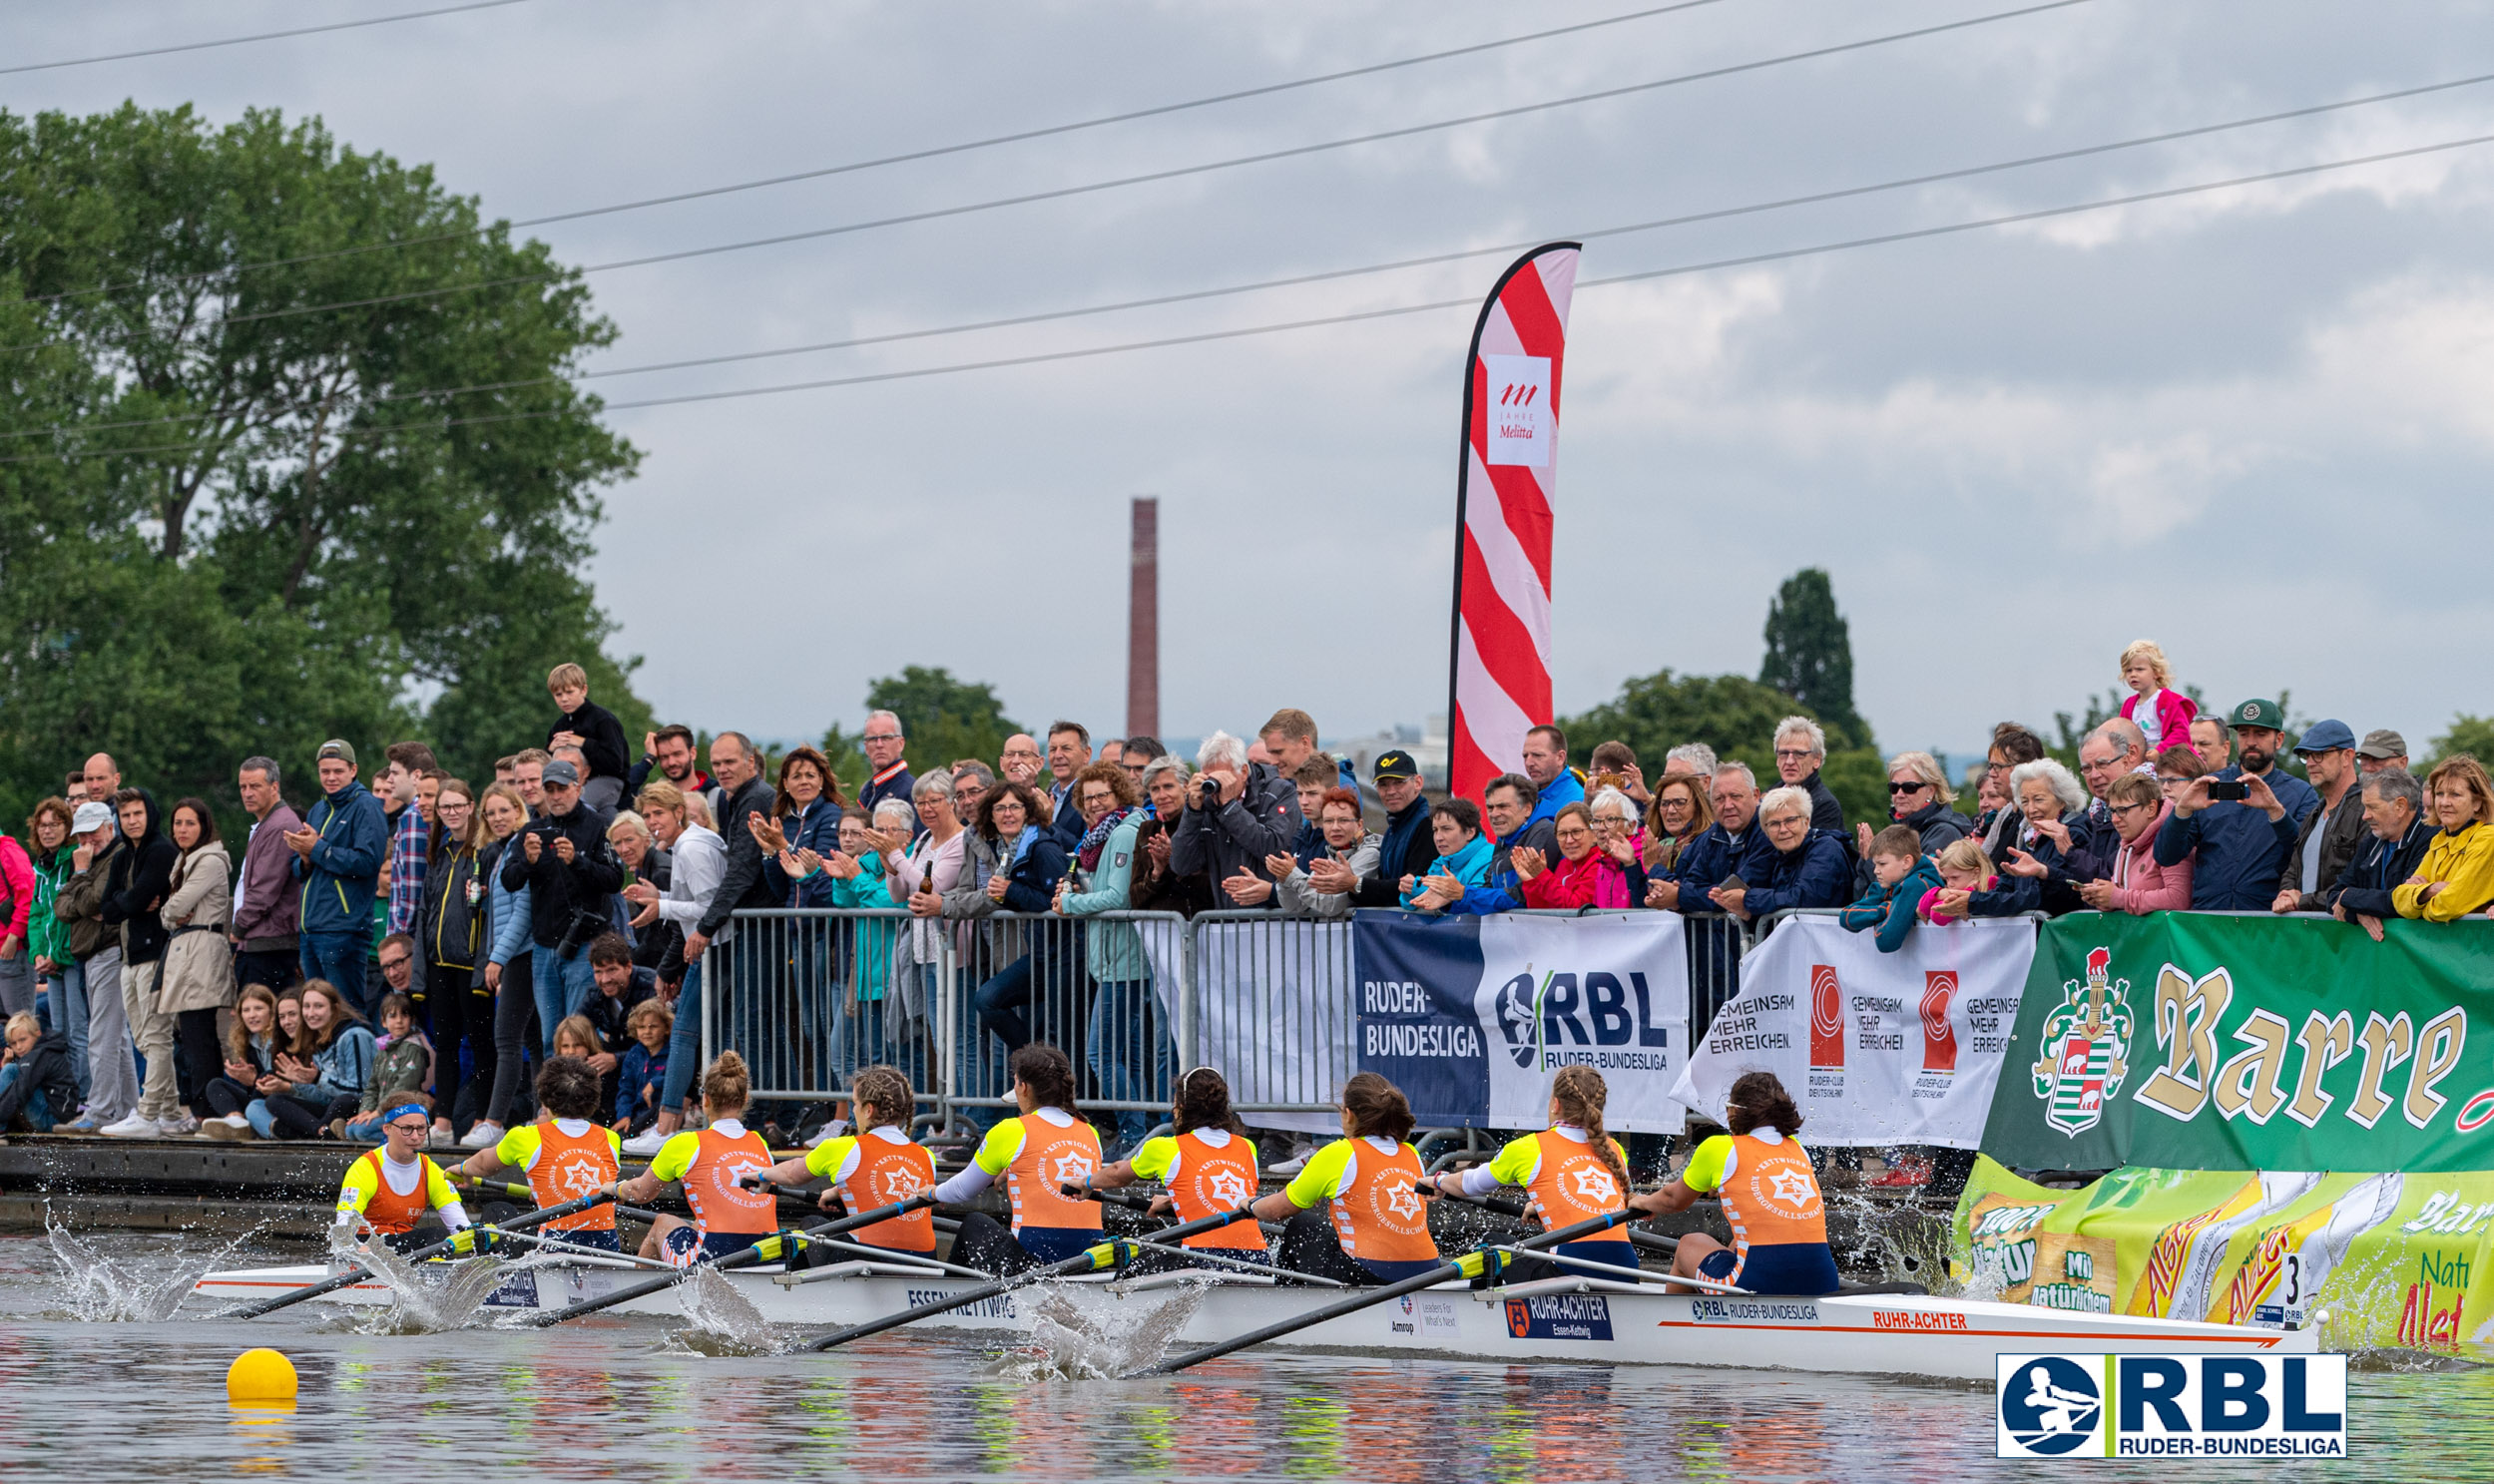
[{"x": 2253, "y": 424}]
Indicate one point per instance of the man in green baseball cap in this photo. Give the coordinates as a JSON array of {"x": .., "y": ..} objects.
[{"x": 2237, "y": 824}]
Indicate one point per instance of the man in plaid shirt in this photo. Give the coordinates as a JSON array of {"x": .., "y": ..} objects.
[{"x": 410, "y": 829}]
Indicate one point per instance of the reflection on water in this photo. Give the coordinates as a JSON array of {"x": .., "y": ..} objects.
[{"x": 145, "y": 1399}]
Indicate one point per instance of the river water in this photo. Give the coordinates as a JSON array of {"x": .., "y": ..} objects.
[{"x": 102, "y": 1379}]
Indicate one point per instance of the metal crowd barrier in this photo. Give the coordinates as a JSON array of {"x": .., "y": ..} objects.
[{"x": 809, "y": 995}]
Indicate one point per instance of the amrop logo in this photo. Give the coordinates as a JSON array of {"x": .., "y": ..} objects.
[{"x": 2050, "y": 1406}]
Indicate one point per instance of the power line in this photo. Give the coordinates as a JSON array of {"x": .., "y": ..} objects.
[
  {"x": 906, "y": 157},
  {"x": 1150, "y": 176},
  {"x": 1333, "y": 274},
  {"x": 202, "y": 46},
  {"x": 1468, "y": 301}
]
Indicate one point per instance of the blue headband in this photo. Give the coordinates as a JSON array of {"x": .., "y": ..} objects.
[{"x": 418, "y": 1109}]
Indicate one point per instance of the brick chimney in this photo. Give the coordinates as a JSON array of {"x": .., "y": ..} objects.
[{"x": 1143, "y": 623}]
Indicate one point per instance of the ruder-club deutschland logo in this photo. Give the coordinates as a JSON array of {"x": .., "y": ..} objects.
[
  {"x": 1939, "y": 1038},
  {"x": 1826, "y": 1018}
]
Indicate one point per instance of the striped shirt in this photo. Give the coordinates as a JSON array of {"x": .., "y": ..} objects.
[{"x": 406, "y": 868}]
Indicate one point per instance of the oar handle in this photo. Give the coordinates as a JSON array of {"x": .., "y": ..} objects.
[{"x": 1653, "y": 1242}]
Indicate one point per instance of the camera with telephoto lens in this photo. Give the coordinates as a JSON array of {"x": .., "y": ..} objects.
[{"x": 1207, "y": 792}]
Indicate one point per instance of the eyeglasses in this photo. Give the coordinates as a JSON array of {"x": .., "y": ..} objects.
[
  {"x": 1915, "y": 787},
  {"x": 1787, "y": 821},
  {"x": 883, "y": 737},
  {"x": 410, "y": 1130},
  {"x": 399, "y": 963},
  {"x": 1790, "y": 755},
  {"x": 2126, "y": 808}
]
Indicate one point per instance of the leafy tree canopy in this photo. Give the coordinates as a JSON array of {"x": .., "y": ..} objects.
[
  {"x": 945, "y": 720},
  {"x": 238, "y": 511}
]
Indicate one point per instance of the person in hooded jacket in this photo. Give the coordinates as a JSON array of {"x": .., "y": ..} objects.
[
  {"x": 450, "y": 939},
  {"x": 38, "y": 1078},
  {"x": 198, "y": 977},
  {"x": 135, "y": 890},
  {"x": 337, "y": 860}
]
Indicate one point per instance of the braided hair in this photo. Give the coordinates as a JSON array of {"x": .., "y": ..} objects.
[{"x": 1580, "y": 1093}]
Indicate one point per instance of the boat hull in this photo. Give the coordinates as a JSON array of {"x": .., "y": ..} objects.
[{"x": 1563, "y": 1319}]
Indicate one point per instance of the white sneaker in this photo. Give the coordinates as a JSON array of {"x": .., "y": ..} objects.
[
  {"x": 137, "y": 1126},
  {"x": 647, "y": 1144},
  {"x": 1287, "y": 1167},
  {"x": 483, "y": 1136},
  {"x": 827, "y": 1133},
  {"x": 180, "y": 1125}
]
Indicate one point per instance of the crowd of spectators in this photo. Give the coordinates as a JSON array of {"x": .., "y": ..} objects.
[{"x": 413, "y": 935}]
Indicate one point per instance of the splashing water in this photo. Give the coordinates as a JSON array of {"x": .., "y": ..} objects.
[
  {"x": 130, "y": 1286},
  {"x": 1087, "y": 1332},
  {"x": 721, "y": 1322},
  {"x": 425, "y": 1297}
]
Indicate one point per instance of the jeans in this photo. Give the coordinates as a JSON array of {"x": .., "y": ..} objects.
[
  {"x": 280, "y": 970},
  {"x": 67, "y": 1005},
  {"x": 461, "y": 1013},
  {"x": 339, "y": 958},
  {"x": 202, "y": 1057},
  {"x": 564, "y": 986},
  {"x": 683, "y": 1047},
  {"x": 17, "y": 983},
  {"x": 1130, "y": 1055},
  {"x": 112, "y": 1077},
  {"x": 514, "y": 1005},
  {"x": 1000, "y": 1001},
  {"x": 38, "y": 1108}
]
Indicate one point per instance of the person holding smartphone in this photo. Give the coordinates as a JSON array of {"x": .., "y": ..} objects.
[{"x": 2240, "y": 819}]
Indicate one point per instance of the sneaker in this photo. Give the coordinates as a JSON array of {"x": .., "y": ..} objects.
[
  {"x": 828, "y": 1133},
  {"x": 180, "y": 1125},
  {"x": 647, "y": 1144},
  {"x": 483, "y": 1136},
  {"x": 1287, "y": 1167},
  {"x": 337, "y": 1128},
  {"x": 227, "y": 1129},
  {"x": 137, "y": 1126},
  {"x": 83, "y": 1123}
]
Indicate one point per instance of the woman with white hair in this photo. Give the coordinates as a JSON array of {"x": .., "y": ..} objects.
[
  {"x": 2053, "y": 853},
  {"x": 1809, "y": 867}
]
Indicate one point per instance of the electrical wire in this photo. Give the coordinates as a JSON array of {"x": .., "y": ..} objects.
[
  {"x": 1335, "y": 274},
  {"x": 1150, "y": 176},
  {"x": 930, "y": 152},
  {"x": 1470, "y": 301},
  {"x": 202, "y": 46}
]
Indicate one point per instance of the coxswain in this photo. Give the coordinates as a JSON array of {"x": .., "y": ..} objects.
[
  {"x": 389, "y": 1189},
  {"x": 1365, "y": 1180},
  {"x": 1570, "y": 1172},
  {"x": 1208, "y": 1165},
  {"x": 1770, "y": 1198},
  {"x": 565, "y": 1153},
  {"x": 713, "y": 1165},
  {"x": 872, "y": 1169},
  {"x": 1037, "y": 1154}
]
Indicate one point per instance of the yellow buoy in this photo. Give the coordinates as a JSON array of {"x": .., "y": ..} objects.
[{"x": 261, "y": 1375}]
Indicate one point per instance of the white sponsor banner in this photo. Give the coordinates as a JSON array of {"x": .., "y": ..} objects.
[
  {"x": 1273, "y": 1013},
  {"x": 1877, "y": 1048},
  {"x": 1608, "y": 992}
]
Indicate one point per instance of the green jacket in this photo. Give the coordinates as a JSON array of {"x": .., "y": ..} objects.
[
  {"x": 47, "y": 937},
  {"x": 1113, "y": 951}
]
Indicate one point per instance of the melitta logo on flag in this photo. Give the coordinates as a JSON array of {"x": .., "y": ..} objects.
[
  {"x": 1521, "y": 429},
  {"x": 1471, "y": 1016}
]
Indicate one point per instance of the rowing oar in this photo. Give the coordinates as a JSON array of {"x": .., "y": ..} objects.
[
  {"x": 1485, "y": 1264},
  {"x": 463, "y": 1241},
  {"x": 1129, "y": 1199},
  {"x": 529, "y": 1193},
  {"x": 1653, "y": 1242},
  {"x": 1109, "y": 1253},
  {"x": 768, "y": 1249}
]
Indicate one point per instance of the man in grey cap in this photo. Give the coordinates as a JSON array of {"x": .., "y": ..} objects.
[
  {"x": 2380, "y": 749},
  {"x": 111, "y": 1078},
  {"x": 2330, "y": 834}
]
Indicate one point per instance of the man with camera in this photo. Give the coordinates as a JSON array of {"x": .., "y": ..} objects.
[
  {"x": 571, "y": 874},
  {"x": 2240, "y": 820},
  {"x": 1238, "y": 813}
]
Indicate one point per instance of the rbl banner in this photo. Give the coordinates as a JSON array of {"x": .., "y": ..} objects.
[
  {"x": 2204, "y": 1042},
  {"x": 1471, "y": 1016},
  {"x": 1876, "y": 1047}
]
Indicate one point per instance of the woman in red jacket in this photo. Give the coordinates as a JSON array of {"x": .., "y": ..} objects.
[{"x": 1582, "y": 876}]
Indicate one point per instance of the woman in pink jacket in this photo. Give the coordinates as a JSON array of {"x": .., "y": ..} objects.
[
  {"x": 1582, "y": 876},
  {"x": 2138, "y": 884}
]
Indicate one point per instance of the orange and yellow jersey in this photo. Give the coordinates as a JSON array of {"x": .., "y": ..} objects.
[
  {"x": 1770, "y": 1195},
  {"x": 876, "y": 1169},
  {"x": 566, "y": 1159},
  {"x": 389, "y": 1197},
  {"x": 710, "y": 1164},
  {"x": 1207, "y": 1171},
  {"x": 1563, "y": 1179},
  {"x": 1376, "y": 1213},
  {"x": 1033, "y": 1153}
]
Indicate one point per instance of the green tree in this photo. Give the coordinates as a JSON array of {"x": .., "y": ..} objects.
[
  {"x": 2473, "y": 735},
  {"x": 1736, "y": 717},
  {"x": 944, "y": 719},
  {"x": 1809, "y": 656},
  {"x": 241, "y": 515}
]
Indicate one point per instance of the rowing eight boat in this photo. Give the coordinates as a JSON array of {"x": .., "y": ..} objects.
[{"x": 1574, "y": 1318}]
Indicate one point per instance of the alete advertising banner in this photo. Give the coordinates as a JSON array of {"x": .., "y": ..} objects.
[
  {"x": 2393, "y": 1260},
  {"x": 2204, "y": 1042},
  {"x": 1877, "y": 1048},
  {"x": 1470, "y": 1016}
]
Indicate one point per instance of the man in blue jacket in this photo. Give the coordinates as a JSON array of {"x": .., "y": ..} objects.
[
  {"x": 338, "y": 857},
  {"x": 1555, "y": 784},
  {"x": 1734, "y": 845},
  {"x": 2241, "y": 843}
]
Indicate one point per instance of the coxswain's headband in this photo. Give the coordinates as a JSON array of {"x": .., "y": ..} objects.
[{"x": 403, "y": 1109}]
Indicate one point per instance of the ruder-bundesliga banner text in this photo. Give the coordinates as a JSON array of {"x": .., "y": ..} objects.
[
  {"x": 1471, "y": 1016},
  {"x": 2208, "y": 1042},
  {"x": 1877, "y": 1048},
  {"x": 2395, "y": 1259}
]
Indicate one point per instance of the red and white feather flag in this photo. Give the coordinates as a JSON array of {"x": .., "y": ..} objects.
[{"x": 1503, "y": 499}]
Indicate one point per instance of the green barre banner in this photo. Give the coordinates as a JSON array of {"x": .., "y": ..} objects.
[{"x": 2190, "y": 1041}]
